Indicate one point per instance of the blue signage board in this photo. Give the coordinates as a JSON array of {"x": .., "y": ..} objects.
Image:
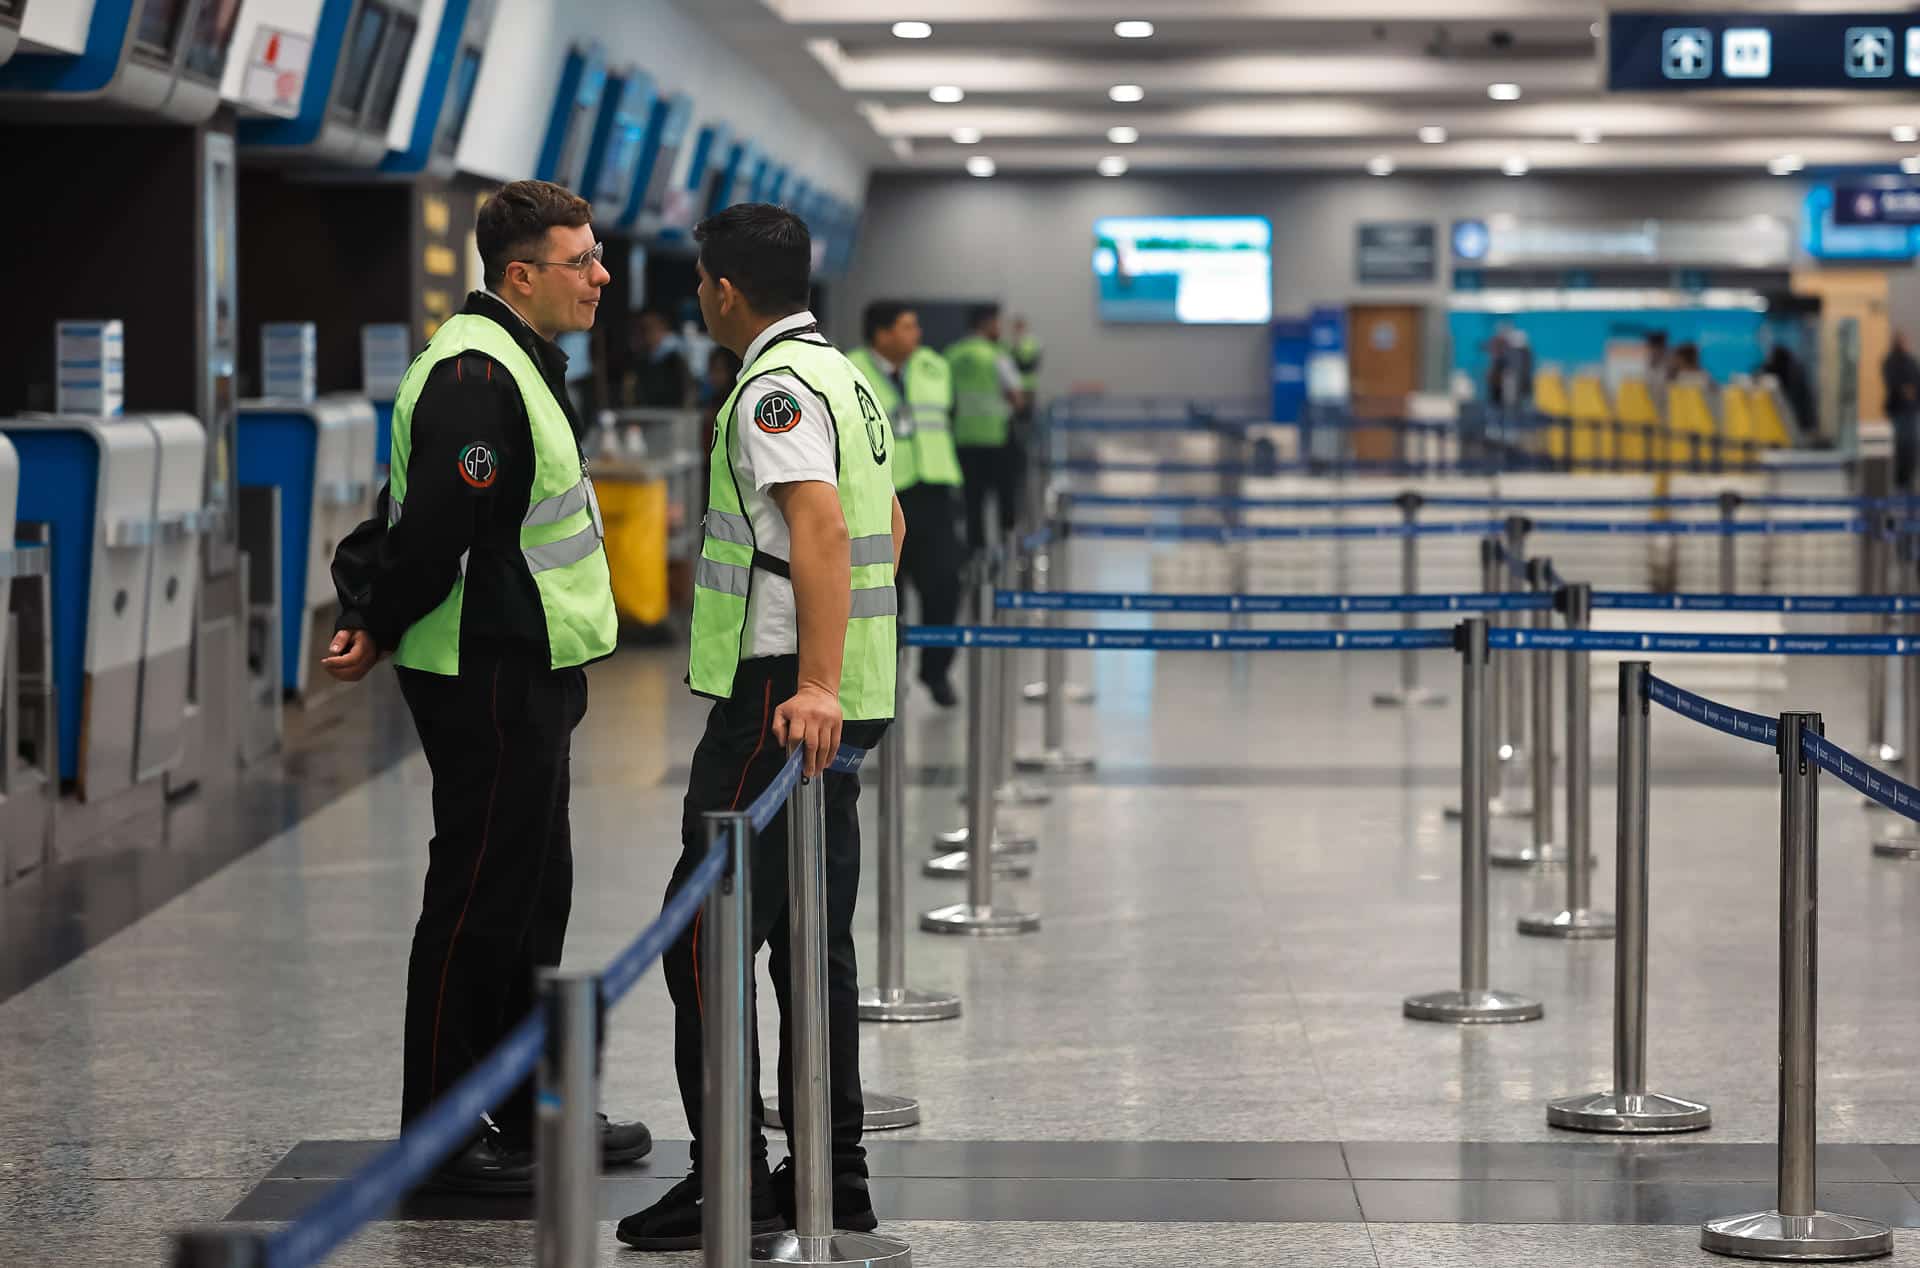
[
  {"x": 1291, "y": 341},
  {"x": 1872, "y": 205},
  {"x": 1827, "y": 238},
  {"x": 1679, "y": 52}
]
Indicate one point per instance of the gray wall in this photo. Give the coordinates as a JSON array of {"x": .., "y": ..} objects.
[{"x": 1028, "y": 242}]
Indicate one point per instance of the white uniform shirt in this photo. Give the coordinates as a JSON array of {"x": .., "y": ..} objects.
[{"x": 806, "y": 450}]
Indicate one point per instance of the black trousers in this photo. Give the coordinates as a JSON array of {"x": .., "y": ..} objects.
[
  {"x": 499, "y": 869},
  {"x": 735, "y": 760},
  {"x": 930, "y": 562},
  {"x": 991, "y": 469}
]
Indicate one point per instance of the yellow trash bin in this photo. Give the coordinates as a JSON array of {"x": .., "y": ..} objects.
[{"x": 633, "y": 506}]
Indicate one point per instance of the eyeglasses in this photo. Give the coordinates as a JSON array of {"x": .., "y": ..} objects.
[{"x": 584, "y": 263}]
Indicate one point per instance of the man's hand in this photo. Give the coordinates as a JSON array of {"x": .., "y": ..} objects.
[
  {"x": 352, "y": 655},
  {"x": 810, "y": 717}
]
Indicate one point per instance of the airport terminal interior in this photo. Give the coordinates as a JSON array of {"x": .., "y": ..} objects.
[{"x": 1437, "y": 590}]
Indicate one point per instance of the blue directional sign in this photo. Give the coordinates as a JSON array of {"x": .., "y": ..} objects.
[
  {"x": 1875, "y": 205},
  {"x": 1756, "y": 52}
]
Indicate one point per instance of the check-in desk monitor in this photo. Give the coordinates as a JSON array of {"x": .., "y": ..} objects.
[{"x": 161, "y": 58}]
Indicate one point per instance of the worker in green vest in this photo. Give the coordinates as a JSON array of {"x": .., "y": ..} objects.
[
  {"x": 794, "y": 640},
  {"x": 483, "y": 575},
  {"x": 1025, "y": 351},
  {"x": 915, "y": 388},
  {"x": 986, "y": 392}
]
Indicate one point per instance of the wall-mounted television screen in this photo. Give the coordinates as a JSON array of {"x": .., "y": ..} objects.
[{"x": 1191, "y": 270}]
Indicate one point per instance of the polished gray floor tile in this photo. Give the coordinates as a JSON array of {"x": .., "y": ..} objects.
[
  {"x": 1688, "y": 1159},
  {"x": 1646, "y": 1246},
  {"x": 1602, "y": 1202}
]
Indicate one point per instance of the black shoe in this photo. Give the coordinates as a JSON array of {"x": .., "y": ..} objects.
[
  {"x": 488, "y": 1165},
  {"x": 673, "y": 1223},
  {"x": 622, "y": 1144},
  {"x": 942, "y": 692},
  {"x": 852, "y": 1204}
]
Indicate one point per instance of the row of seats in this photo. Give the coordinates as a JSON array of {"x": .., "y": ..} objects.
[{"x": 1588, "y": 428}]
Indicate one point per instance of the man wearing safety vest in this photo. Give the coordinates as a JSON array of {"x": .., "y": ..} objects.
[
  {"x": 915, "y": 388},
  {"x": 794, "y": 640},
  {"x": 986, "y": 392},
  {"x": 483, "y": 574},
  {"x": 1025, "y": 351}
]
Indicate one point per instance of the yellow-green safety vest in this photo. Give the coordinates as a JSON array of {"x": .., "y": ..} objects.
[
  {"x": 1026, "y": 359},
  {"x": 980, "y": 409},
  {"x": 560, "y": 535},
  {"x": 923, "y": 422},
  {"x": 729, "y": 557}
]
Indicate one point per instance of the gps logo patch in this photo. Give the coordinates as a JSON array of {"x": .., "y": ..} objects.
[
  {"x": 477, "y": 466},
  {"x": 777, "y": 412}
]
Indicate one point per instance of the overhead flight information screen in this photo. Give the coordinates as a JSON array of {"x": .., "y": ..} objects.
[
  {"x": 1190, "y": 270},
  {"x": 1843, "y": 52}
]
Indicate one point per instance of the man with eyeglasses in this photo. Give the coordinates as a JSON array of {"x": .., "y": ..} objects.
[{"x": 483, "y": 574}]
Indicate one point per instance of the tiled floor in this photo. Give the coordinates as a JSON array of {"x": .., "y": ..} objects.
[{"x": 1234, "y": 905}]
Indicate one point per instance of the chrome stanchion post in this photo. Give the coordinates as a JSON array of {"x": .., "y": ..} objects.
[
  {"x": 1492, "y": 569},
  {"x": 726, "y": 1024},
  {"x": 1054, "y": 758},
  {"x": 1012, "y": 790},
  {"x": 1514, "y": 726},
  {"x": 1729, "y": 561},
  {"x": 1875, "y": 558},
  {"x": 1628, "y": 1108},
  {"x": 1055, "y": 569},
  {"x": 893, "y": 999},
  {"x": 983, "y": 761},
  {"x": 566, "y": 1127},
  {"x": 1795, "y": 1229},
  {"x": 1542, "y": 853},
  {"x": 1473, "y": 1001},
  {"x": 812, "y": 1239},
  {"x": 978, "y": 916},
  {"x": 1411, "y": 693},
  {"x": 1579, "y": 919},
  {"x": 1903, "y": 842}
]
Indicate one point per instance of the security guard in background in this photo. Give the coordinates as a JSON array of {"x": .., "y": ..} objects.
[
  {"x": 794, "y": 639},
  {"x": 915, "y": 388},
  {"x": 986, "y": 392},
  {"x": 1025, "y": 351},
  {"x": 483, "y": 574}
]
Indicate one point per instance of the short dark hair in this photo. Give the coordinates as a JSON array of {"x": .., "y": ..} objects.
[
  {"x": 516, "y": 219},
  {"x": 881, "y": 314},
  {"x": 980, "y": 314},
  {"x": 764, "y": 250}
]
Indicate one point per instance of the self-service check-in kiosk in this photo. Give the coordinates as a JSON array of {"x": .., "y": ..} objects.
[
  {"x": 319, "y": 458},
  {"x": 124, "y": 572},
  {"x": 136, "y": 57},
  {"x": 27, "y": 786}
]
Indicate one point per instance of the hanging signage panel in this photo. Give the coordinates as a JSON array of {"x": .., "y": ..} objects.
[{"x": 1692, "y": 51}]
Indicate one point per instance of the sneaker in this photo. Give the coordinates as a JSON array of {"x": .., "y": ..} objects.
[
  {"x": 852, "y": 1204},
  {"x": 623, "y": 1143},
  {"x": 673, "y": 1223},
  {"x": 487, "y": 1166}
]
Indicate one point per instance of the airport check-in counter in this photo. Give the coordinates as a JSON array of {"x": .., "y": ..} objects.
[
  {"x": 28, "y": 788},
  {"x": 179, "y": 522},
  {"x": 91, "y": 482},
  {"x": 319, "y": 458}
]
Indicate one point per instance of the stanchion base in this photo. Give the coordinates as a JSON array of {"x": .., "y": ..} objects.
[
  {"x": 1055, "y": 762},
  {"x": 848, "y": 1250},
  {"x": 1820, "y": 1236},
  {"x": 1502, "y": 808},
  {"x": 1898, "y": 847},
  {"x": 1003, "y": 842},
  {"x": 1015, "y": 792},
  {"x": 1546, "y": 857},
  {"x": 1409, "y": 698},
  {"x": 1628, "y": 1113},
  {"x": 978, "y": 922},
  {"x": 1585, "y": 923},
  {"x": 953, "y": 866},
  {"x": 1036, "y": 693},
  {"x": 1472, "y": 1007},
  {"x": 907, "y": 1004},
  {"x": 885, "y": 1112}
]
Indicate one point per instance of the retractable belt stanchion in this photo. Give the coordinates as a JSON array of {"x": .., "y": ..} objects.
[
  {"x": 978, "y": 915},
  {"x": 1795, "y": 1229},
  {"x": 1492, "y": 574},
  {"x": 1012, "y": 790},
  {"x": 726, "y": 975},
  {"x": 1903, "y": 842},
  {"x": 893, "y": 999},
  {"x": 1628, "y": 1108},
  {"x": 1875, "y": 557},
  {"x": 1473, "y": 1001},
  {"x": 1411, "y": 693},
  {"x": 567, "y": 1132},
  {"x": 812, "y": 1240},
  {"x": 1578, "y": 919},
  {"x": 1513, "y": 727},
  {"x": 1542, "y": 853},
  {"x": 1054, "y": 757},
  {"x": 951, "y": 847},
  {"x": 1053, "y": 574},
  {"x": 1729, "y": 561}
]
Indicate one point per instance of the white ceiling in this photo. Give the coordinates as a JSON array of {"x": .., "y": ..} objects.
[{"x": 1312, "y": 85}]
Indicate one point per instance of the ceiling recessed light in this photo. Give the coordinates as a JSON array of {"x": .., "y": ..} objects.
[
  {"x": 1127, "y": 93},
  {"x": 1123, "y": 135},
  {"x": 1514, "y": 165},
  {"x": 981, "y": 165},
  {"x": 1587, "y": 136},
  {"x": 1113, "y": 165},
  {"x": 1504, "y": 92},
  {"x": 1133, "y": 30},
  {"x": 1786, "y": 164},
  {"x": 1906, "y": 134},
  {"x": 947, "y": 94},
  {"x": 966, "y": 136},
  {"x": 1433, "y": 134},
  {"x": 911, "y": 30},
  {"x": 1911, "y": 165},
  {"x": 1380, "y": 165}
]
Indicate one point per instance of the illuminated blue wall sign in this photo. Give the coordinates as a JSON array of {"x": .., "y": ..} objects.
[
  {"x": 1471, "y": 240},
  {"x": 1679, "y": 52},
  {"x": 1870, "y": 205},
  {"x": 1827, "y": 237}
]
